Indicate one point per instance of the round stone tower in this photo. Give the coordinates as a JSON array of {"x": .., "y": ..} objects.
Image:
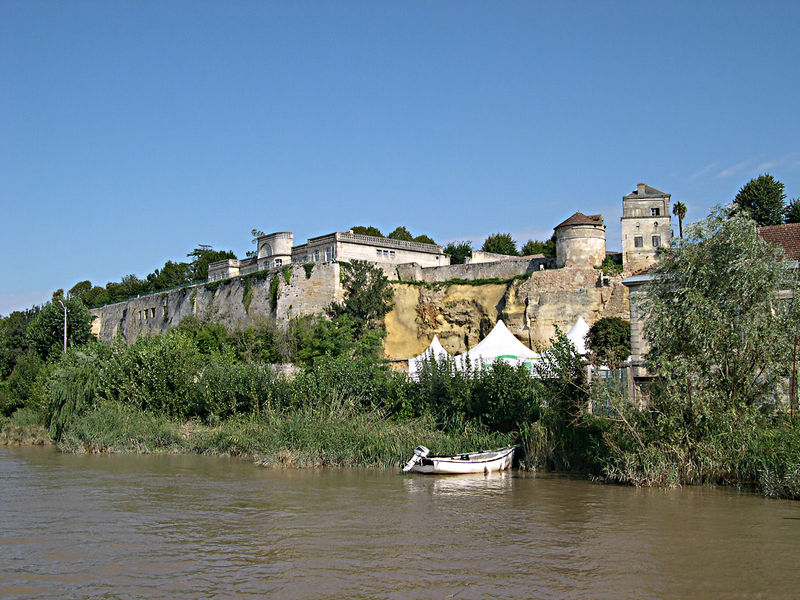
[
  {"x": 275, "y": 249},
  {"x": 581, "y": 241}
]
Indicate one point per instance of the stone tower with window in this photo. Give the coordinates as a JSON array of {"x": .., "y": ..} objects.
[
  {"x": 275, "y": 250},
  {"x": 645, "y": 226}
]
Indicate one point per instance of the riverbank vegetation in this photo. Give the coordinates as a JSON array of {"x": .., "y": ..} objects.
[{"x": 720, "y": 320}]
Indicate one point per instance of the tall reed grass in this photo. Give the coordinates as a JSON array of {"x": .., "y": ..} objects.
[{"x": 304, "y": 437}]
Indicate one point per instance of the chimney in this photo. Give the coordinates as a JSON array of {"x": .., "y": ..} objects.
[{"x": 640, "y": 189}]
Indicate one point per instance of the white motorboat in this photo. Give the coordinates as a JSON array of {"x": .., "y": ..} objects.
[{"x": 472, "y": 462}]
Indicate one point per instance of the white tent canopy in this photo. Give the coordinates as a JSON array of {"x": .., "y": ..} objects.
[
  {"x": 435, "y": 350},
  {"x": 577, "y": 335},
  {"x": 499, "y": 344}
]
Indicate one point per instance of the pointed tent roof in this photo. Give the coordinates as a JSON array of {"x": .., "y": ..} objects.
[
  {"x": 435, "y": 350},
  {"x": 577, "y": 335},
  {"x": 500, "y": 343}
]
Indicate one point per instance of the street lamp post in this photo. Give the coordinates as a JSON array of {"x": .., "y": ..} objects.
[{"x": 65, "y": 325}]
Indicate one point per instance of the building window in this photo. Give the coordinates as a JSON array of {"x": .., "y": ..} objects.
[
  {"x": 656, "y": 241},
  {"x": 328, "y": 254},
  {"x": 379, "y": 253},
  {"x": 278, "y": 262},
  {"x": 316, "y": 255},
  {"x": 637, "y": 242},
  {"x": 654, "y": 212},
  {"x": 391, "y": 254},
  {"x": 386, "y": 253}
]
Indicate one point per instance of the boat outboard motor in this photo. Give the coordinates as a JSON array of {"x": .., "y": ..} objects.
[{"x": 420, "y": 452}]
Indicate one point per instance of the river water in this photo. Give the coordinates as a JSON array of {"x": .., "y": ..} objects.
[{"x": 202, "y": 527}]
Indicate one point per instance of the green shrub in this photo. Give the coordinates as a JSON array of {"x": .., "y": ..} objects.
[
  {"x": 228, "y": 387},
  {"x": 506, "y": 397},
  {"x": 158, "y": 374},
  {"x": 273, "y": 293},
  {"x": 339, "y": 385}
]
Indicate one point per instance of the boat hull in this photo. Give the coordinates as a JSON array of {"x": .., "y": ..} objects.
[{"x": 482, "y": 462}]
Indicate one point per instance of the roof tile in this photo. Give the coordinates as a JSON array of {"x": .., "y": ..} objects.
[
  {"x": 581, "y": 219},
  {"x": 787, "y": 236}
]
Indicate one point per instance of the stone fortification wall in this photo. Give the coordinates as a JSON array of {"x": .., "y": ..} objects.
[
  {"x": 486, "y": 270},
  {"x": 461, "y": 315},
  {"x": 232, "y": 302}
]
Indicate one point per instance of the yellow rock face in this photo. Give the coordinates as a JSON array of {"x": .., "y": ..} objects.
[{"x": 462, "y": 315}]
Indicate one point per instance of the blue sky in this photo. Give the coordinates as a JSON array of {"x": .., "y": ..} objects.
[{"x": 134, "y": 131}]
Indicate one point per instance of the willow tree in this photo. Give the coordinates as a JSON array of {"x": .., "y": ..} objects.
[{"x": 720, "y": 317}]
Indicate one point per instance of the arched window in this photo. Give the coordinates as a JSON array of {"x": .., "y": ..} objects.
[{"x": 265, "y": 250}]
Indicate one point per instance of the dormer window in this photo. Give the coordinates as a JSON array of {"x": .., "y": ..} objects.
[{"x": 654, "y": 212}]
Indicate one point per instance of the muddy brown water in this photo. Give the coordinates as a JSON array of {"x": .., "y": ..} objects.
[{"x": 201, "y": 527}]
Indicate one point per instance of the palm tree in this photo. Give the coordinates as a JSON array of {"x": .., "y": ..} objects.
[{"x": 679, "y": 210}]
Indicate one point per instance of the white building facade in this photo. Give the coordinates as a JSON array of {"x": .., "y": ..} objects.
[{"x": 276, "y": 250}]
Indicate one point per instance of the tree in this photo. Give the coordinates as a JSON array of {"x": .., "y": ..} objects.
[
  {"x": 401, "y": 233},
  {"x": 46, "y": 332},
  {"x": 717, "y": 328},
  {"x": 609, "y": 342},
  {"x": 500, "y": 243},
  {"x": 679, "y": 210},
  {"x": 203, "y": 256},
  {"x": 14, "y": 338},
  {"x": 256, "y": 233},
  {"x": 368, "y": 296},
  {"x": 338, "y": 337},
  {"x": 80, "y": 289},
  {"x": 424, "y": 239},
  {"x": 763, "y": 198},
  {"x": 16, "y": 391},
  {"x": 547, "y": 248},
  {"x": 458, "y": 252},
  {"x": 367, "y": 230},
  {"x": 170, "y": 275},
  {"x": 95, "y": 297},
  {"x": 792, "y": 212}
]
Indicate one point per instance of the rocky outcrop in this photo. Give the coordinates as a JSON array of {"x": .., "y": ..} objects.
[{"x": 461, "y": 315}]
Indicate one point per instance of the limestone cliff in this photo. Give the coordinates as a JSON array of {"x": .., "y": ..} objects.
[
  {"x": 281, "y": 293},
  {"x": 461, "y": 315}
]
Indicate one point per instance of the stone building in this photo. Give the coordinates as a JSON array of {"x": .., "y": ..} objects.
[
  {"x": 277, "y": 250},
  {"x": 581, "y": 241},
  {"x": 645, "y": 226}
]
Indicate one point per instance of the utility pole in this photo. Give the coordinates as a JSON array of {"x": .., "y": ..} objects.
[
  {"x": 794, "y": 379},
  {"x": 65, "y": 325}
]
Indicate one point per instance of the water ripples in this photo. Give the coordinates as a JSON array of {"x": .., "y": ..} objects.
[{"x": 199, "y": 527}]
